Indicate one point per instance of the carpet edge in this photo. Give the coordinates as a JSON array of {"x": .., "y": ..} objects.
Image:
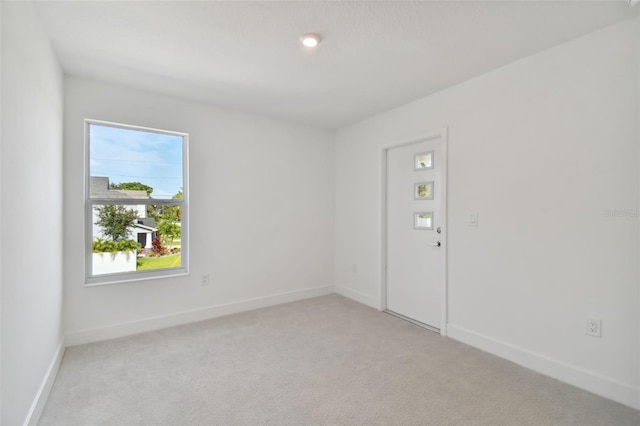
[
  {"x": 144, "y": 325},
  {"x": 357, "y": 296},
  {"x": 607, "y": 387},
  {"x": 42, "y": 395}
]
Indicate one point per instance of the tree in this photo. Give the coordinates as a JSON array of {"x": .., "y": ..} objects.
[
  {"x": 173, "y": 212},
  {"x": 116, "y": 221},
  {"x": 169, "y": 230},
  {"x": 160, "y": 212},
  {"x": 135, "y": 186}
]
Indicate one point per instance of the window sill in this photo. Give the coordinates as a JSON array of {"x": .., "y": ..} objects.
[{"x": 129, "y": 277}]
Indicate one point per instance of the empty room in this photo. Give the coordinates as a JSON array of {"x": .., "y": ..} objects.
[{"x": 320, "y": 212}]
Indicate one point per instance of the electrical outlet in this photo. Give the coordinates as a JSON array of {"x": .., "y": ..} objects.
[
  {"x": 594, "y": 327},
  {"x": 204, "y": 281}
]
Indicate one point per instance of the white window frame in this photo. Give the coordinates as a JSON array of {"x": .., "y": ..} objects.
[{"x": 121, "y": 277}]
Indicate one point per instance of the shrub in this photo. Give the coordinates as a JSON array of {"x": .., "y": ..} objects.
[
  {"x": 157, "y": 249},
  {"x": 106, "y": 246}
]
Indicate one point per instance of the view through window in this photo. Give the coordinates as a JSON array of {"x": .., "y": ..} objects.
[{"x": 136, "y": 204}]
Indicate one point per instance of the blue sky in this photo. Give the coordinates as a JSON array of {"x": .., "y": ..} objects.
[{"x": 126, "y": 155}]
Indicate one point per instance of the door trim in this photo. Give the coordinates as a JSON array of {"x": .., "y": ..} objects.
[{"x": 443, "y": 135}]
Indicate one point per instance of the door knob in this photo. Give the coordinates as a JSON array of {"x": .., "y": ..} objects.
[{"x": 437, "y": 244}]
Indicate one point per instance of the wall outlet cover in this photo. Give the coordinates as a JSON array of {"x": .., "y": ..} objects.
[{"x": 594, "y": 327}]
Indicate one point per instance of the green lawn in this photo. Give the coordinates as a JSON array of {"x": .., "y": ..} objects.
[{"x": 172, "y": 261}]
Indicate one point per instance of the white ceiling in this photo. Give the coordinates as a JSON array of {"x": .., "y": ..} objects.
[{"x": 246, "y": 55}]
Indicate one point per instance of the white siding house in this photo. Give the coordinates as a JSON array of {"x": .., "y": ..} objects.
[{"x": 144, "y": 231}]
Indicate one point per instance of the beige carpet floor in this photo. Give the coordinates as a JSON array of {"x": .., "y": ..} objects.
[{"x": 322, "y": 361}]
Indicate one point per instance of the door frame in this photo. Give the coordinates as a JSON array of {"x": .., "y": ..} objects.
[{"x": 443, "y": 135}]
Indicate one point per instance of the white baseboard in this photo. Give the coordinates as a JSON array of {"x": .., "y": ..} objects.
[
  {"x": 37, "y": 406},
  {"x": 80, "y": 337},
  {"x": 607, "y": 387},
  {"x": 365, "y": 299}
]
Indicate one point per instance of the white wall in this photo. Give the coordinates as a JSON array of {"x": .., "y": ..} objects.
[
  {"x": 541, "y": 148},
  {"x": 261, "y": 214},
  {"x": 31, "y": 223}
]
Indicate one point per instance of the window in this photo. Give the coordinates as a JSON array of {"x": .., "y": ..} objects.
[
  {"x": 423, "y": 220},
  {"x": 423, "y": 161},
  {"x": 136, "y": 217}
]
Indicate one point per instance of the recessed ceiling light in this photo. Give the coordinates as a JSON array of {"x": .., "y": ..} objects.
[{"x": 310, "y": 39}]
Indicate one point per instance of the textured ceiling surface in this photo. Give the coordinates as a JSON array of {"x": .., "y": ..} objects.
[{"x": 374, "y": 56}]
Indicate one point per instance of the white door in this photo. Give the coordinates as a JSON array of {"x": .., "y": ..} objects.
[{"x": 415, "y": 216}]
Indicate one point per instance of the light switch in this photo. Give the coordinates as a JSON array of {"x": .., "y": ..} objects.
[{"x": 473, "y": 219}]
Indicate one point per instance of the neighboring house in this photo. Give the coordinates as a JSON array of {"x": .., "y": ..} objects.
[{"x": 145, "y": 230}]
